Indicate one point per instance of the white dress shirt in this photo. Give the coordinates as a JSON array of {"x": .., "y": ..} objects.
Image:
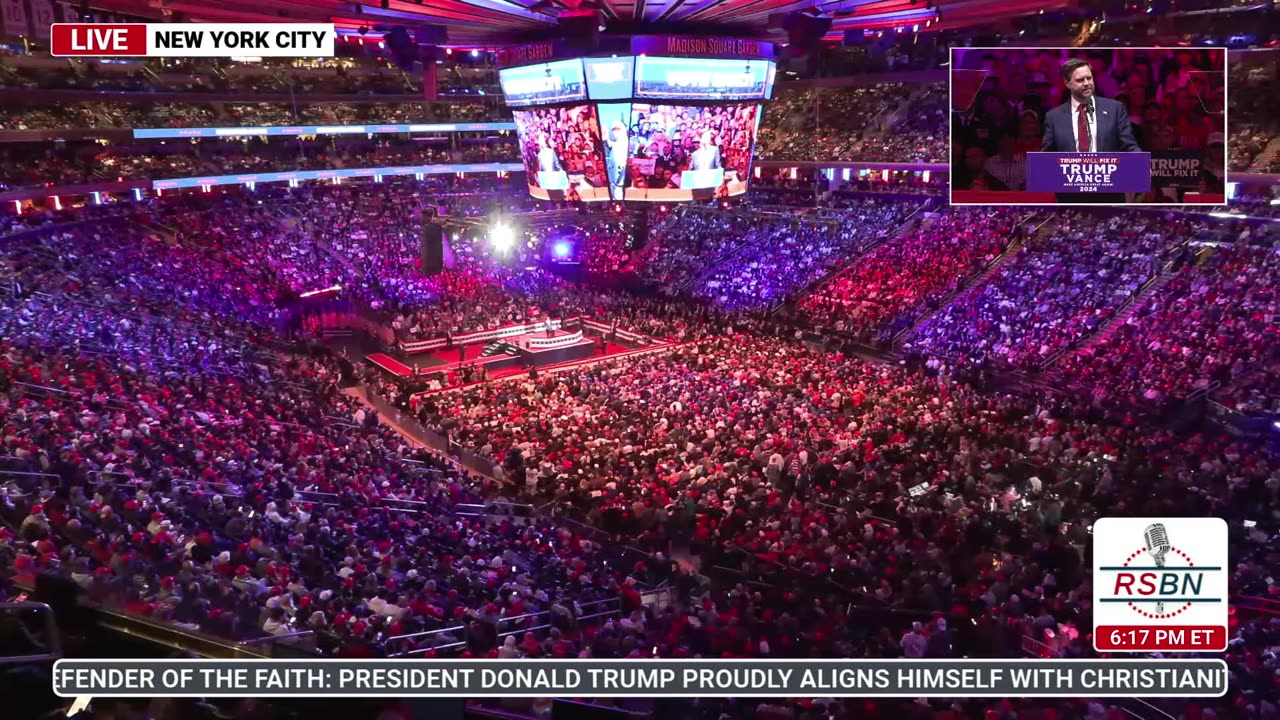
[{"x": 1075, "y": 125}]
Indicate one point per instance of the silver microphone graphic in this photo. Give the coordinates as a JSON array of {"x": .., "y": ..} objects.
[{"x": 1157, "y": 540}]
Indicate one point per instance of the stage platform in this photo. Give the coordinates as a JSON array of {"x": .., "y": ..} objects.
[
  {"x": 539, "y": 350},
  {"x": 531, "y": 348},
  {"x": 503, "y": 350}
]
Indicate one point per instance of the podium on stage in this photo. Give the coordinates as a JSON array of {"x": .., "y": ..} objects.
[
  {"x": 1088, "y": 173},
  {"x": 553, "y": 179},
  {"x": 698, "y": 179}
]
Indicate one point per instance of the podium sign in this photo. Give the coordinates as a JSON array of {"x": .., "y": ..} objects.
[
  {"x": 698, "y": 179},
  {"x": 553, "y": 179},
  {"x": 1077, "y": 172}
]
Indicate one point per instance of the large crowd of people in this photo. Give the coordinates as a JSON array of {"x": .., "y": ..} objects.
[
  {"x": 555, "y": 141},
  {"x": 603, "y": 248},
  {"x": 1056, "y": 290},
  {"x": 783, "y": 255},
  {"x": 208, "y": 477},
  {"x": 772, "y": 456},
  {"x": 237, "y": 506},
  {"x": 346, "y": 76},
  {"x": 668, "y": 141},
  {"x": 896, "y": 282},
  {"x": 100, "y": 115},
  {"x": 888, "y": 122},
  {"x": 176, "y": 439},
  {"x": 688, "y": 240},
  {"x": 34, "y": 165},
  {"x": 1214, "y": 321},
  {"x": 162, "y": 372},
  {"x": 1253, "y": 125}
]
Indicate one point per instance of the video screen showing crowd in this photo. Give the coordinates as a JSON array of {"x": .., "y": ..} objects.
[
  {"x": 678, "y": 152},
  {"x": 562, "y": 151},
  {"x": 638, "y": 127},
  {"x": 646, "y": 152},
  {"x": 1169, "y": 102}
]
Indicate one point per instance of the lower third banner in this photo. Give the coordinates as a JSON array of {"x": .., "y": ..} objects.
[{"x": 641, "y": 678}]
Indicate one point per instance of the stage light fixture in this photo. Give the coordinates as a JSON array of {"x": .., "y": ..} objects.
[
  {"x": 561, "y": 249},
  {"x": 501, "y": 237}
]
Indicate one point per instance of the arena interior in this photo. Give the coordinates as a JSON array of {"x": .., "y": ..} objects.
[{"x": 475, "y": 389}]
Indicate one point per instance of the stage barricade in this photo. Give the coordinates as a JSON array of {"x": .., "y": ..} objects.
[
  {"x": 421, "y": 346},
  {"x": 603, "y": 329},
  {"x": 555, "y": 342}
]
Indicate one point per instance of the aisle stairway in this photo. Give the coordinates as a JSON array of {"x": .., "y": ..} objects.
[
  {"x": 892, "y": 119},
  {"x": 1125, "y": 312},
  {"x": 980, "y": 278},
  {"x": 918, "y": 218},
  {"x": 793, "y": 122},
  {"x": 498, "y": 347},
  {"x": 1269, "y": 157}
]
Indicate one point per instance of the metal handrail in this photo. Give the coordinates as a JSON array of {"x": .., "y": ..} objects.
[
  {"x": 410, "y": 636},
  {"x": 272, "y": 640},
  {"x": 318, "y": 492},
  {"x": 441, "y": 631},
  {"x": 43, "y": 387},
  {"x": 424, "y": 633},
  {"x": 276, "y": 638},
  {"x": 214, "y": 485},
  {"x": 51, "y": 627},
  {"x": 27, "y": 474},
  {"x": 509, "y": 633}
]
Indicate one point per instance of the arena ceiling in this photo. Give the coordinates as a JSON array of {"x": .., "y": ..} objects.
[{"x": 490, "y": 23}]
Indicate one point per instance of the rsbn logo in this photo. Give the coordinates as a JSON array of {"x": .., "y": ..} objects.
[
  {"x": 1159, "y": 574},
  {"x": 1158, "y": 580}
]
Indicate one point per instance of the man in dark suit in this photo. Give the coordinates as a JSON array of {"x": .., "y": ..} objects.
[
  {"x": 707, "y": 156},
  {"x": 1087, "y": 123},
  {"x": 548, "y": 160}
]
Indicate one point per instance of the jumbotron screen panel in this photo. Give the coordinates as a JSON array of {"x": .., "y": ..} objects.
[
  {"x": 555, "y": 82},
  {"x": 669, "y": 78},
  {"x": 679, "y": 152},
  {"x": 562, "y": 152},
  {"x": 646, "y": 128}
]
